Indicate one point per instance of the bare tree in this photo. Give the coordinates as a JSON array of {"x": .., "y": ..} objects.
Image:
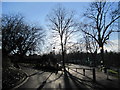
[
  {"x": 18, "y": 37},
  {"x": 75, "y": 47},
  {"x": 91, "y": 46},
  {"x": 101, "y": 17},
  {"x": 63, "y": 27}
]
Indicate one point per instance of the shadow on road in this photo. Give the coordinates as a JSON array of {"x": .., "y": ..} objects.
[
  {"x": 43, "y": 83},
  {"x": 67, "y": 83},
  {"x": 56, "y": 78},
  {"x": 77, "y": 85},
  {"x": 85, "y": 84}
]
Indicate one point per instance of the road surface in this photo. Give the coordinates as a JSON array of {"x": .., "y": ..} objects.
[{"x": 38, "y": 80}]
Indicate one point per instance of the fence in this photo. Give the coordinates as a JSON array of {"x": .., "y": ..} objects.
[
  {"x": 84, "y": 74},
  {"x": 108, "y": 71}
]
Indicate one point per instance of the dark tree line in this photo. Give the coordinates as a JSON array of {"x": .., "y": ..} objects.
[
  {"x": 18, "y": 37},
  {"x": 82, "y": 58}
]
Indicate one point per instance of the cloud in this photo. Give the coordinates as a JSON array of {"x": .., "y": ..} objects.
[{"x": 112, "y": 46}]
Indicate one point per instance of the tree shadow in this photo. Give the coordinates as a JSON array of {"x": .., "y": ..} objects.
[
  {"x": 78, "y": 84},
  {"x": 109, "y": 84},
  {"x": 44, "y": 82},
  {"x": 73, "y": 82},
  {"x": 56, "y": 78},
  {"x": 67, "y": 83},
  {"x": 84, "y": 84}
]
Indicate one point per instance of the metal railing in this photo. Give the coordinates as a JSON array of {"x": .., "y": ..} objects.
[
  {"x": 84, "y": 74},
  {"x": 108, "y": 71}
]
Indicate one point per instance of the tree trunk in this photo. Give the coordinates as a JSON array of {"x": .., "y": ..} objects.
[
  {"x": 63, "y": 57},
  {"x": 102, "y": 55},
  {"x": 94, "y": 58}
]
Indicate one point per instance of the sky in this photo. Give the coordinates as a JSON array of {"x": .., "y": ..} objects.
[
  {"x": 36, "y": 12},
  {"x": 56, "y": 0}
]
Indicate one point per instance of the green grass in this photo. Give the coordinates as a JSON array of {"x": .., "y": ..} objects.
[{"x": 112, "y": 71}]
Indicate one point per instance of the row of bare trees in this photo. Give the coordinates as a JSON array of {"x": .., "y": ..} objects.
[{"x": 100, "y": 22}]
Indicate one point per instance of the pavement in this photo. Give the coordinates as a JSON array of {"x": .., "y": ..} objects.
[
  {"x": 101, "y": 77},
  {"x": 72, "y": 79}
]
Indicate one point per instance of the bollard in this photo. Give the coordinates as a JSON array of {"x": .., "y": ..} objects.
[
  {"x": 94, "y": 75},
  {"x": 84, "y": 72}
]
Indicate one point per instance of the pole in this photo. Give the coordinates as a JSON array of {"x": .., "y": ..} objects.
[
  {"x": 84, "y": 72},
  {"x": 63, "y": 61},
  {"x": 94, "y": 75}
]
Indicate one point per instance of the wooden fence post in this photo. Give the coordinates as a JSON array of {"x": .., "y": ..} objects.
[
  {"x": 94, "y": 75},
  {"x": 84, "y": 72}
]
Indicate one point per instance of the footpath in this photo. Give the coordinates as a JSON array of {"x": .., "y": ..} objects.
[
  {"x": 101, "y": 78},
  {"x": 75, "y": 80}
]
